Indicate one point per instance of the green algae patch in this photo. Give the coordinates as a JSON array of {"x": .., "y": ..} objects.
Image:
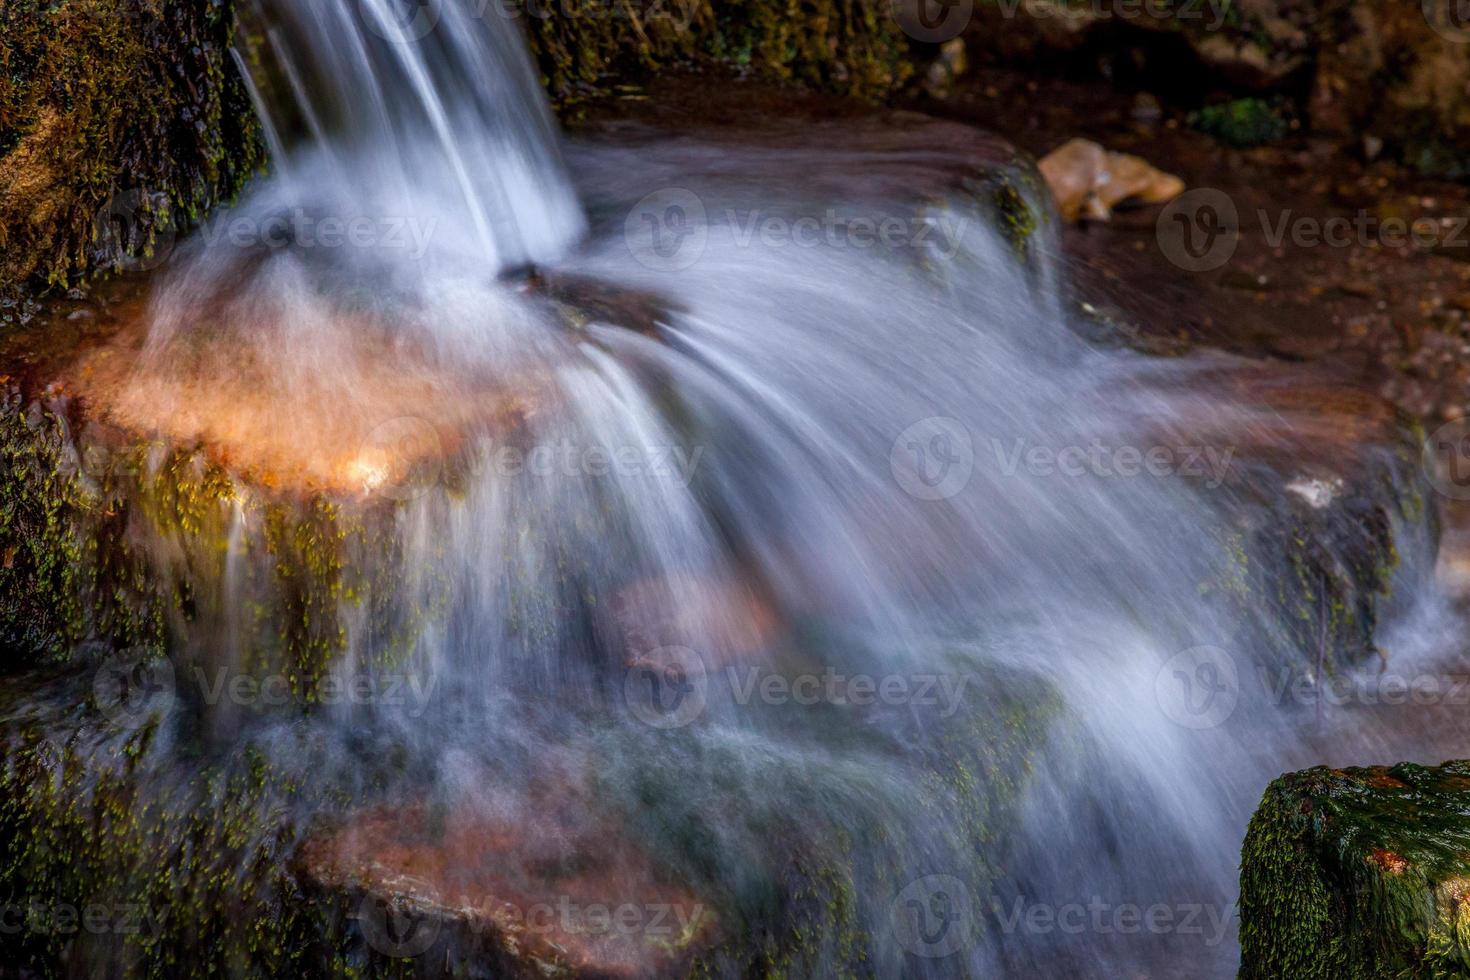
[
  {"x": 1244, "y": 122},
  {"x": 115, "y": 858},
  {"x": 1359, "y": 873}
]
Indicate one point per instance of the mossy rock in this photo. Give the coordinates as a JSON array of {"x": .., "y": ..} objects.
[
  {"x": 118, "y": 119},
  {"x": 590, "y": 48},
  {"x": 1359, "y": 873},
  {"x": 1330, "y": 528}
]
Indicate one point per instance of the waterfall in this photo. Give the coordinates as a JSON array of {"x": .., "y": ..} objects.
[
  {"x": 721, "y": 545},
  {"x": 387, "y": 109}
]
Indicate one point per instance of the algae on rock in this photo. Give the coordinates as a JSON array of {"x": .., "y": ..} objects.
[
  {"x": 1359, "y": 873},
  {"x": 118, "y": 119}
]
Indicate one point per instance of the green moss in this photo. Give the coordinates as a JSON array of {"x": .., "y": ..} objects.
[
  {"x": 40, "y": 550},
  {"x": 69, "y": 573},
  {"x": 1359, "y": 873},
  {"x": 194, "y": 873},
  {"x": 101, "y": 98},
  {"x": 1244, "y": 122},
  {"x": 845, "y": 46},
  {"x": 1017, "y": 217}
]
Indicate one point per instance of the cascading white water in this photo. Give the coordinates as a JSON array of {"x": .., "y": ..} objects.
[
  {"x": 389, "y": 109},
  {"x": 814, "y": 466}
]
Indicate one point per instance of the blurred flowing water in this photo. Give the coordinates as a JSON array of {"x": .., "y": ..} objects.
[{"x": 811, "y": 475}]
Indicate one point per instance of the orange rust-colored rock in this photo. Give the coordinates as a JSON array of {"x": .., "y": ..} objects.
[{"x": 543, "y": 890}]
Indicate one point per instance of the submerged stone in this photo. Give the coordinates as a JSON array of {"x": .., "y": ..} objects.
[{"x": 527, "y": 897}]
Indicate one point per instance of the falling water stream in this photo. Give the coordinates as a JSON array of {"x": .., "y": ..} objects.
[{"x": 786, "y": 608}]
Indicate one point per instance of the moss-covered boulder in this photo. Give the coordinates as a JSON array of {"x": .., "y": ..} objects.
[
  {"x": 585, "y": 47},
  {"x": 1331, "y": 498},
  {"x": 117, "y": 118},
  {"x": 1359, "y": 873}
]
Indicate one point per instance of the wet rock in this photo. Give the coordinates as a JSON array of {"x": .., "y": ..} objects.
[
  {"x": 1358, "y": 873},
  {"x": 153, "y": 124},
  {"x": 1330, "y": 496},
  {"x": 522, "y": 897}
]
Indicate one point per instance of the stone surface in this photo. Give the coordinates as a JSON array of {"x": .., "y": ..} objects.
[
  {"x": 1359, "y": 873},
  {"x": 1087, "y": 181},
  {"x": 534, "y": 896}
]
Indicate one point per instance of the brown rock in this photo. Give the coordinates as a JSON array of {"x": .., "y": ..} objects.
[
  {"x": 549, "y": 896},
  {"x": 1088, "y": 181}
]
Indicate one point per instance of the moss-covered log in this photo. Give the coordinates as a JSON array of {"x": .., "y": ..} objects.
[{"x": 1350, "y": 874}]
